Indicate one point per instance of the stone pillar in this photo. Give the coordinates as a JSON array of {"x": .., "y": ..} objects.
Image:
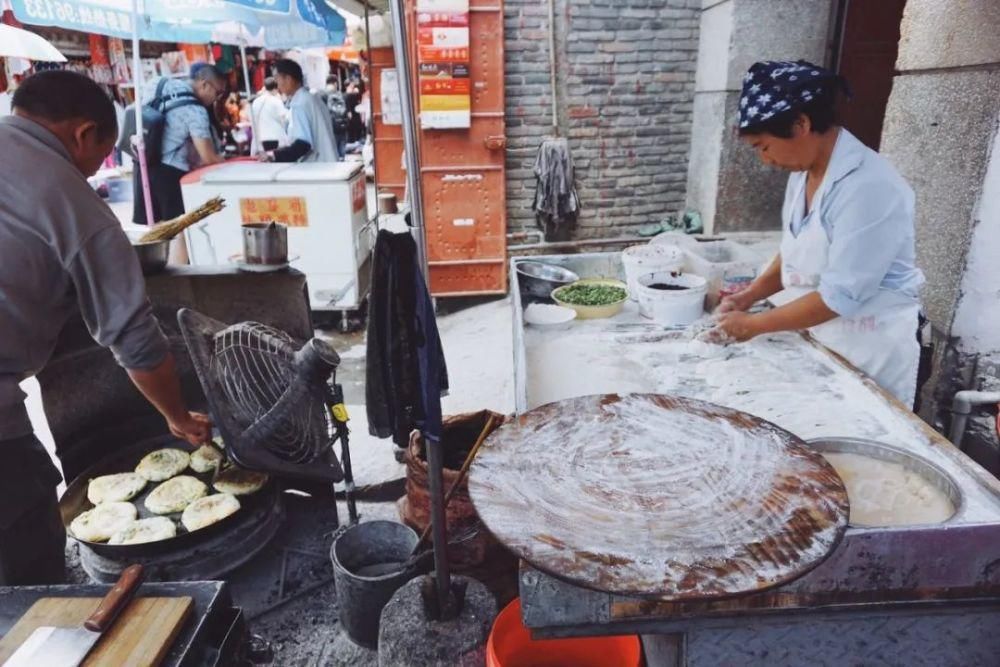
[
  {"x": 726, "y": 183},
  {"x": 940, "y": 132}
]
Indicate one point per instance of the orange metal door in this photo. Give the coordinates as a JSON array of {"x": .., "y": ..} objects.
[{"x": 462, "y": 170}]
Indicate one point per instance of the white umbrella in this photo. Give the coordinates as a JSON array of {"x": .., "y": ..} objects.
[{"x": 17, "y": 43}]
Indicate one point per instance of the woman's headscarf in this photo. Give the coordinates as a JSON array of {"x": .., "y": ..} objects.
[{"x": 774, "y": 87}]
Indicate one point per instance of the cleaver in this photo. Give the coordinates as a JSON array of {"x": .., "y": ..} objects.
[{"x": 68, "y": 647}]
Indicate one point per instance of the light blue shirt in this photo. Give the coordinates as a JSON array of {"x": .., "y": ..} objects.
[
  {"x": 182, "y": 125},
  {"x": 301, "y": 110},
  {"x": 866, "y": 210}
]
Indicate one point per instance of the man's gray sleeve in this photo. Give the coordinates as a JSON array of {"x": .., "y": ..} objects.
[{"x": 111, "y": 293}]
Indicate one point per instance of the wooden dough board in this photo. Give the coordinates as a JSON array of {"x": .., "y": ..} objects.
[{"x": 140, "y": 637}]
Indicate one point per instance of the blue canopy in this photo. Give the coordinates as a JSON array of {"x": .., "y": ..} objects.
[
  {"x": 161, "y": 20},
  {"x": 271, "y": 23}
]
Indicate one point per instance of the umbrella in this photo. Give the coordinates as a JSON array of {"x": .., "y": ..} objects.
[{"x": 17, "y": 43}]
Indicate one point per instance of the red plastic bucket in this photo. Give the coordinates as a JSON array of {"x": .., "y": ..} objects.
[{"x": 510, "y": 645}]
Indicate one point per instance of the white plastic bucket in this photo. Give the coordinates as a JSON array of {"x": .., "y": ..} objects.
[
  {"x": 642, "y": 259},
  {"x": 673, "y": 307}
]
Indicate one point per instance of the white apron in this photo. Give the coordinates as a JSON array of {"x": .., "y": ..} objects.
[{"x": 880, "y": 339}]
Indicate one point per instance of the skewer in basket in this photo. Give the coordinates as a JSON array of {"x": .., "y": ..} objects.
[{"x": 169, "y": 229}]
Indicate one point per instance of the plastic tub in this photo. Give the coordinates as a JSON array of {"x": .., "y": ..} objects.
[
  {"x": 510, "y": 645},
  {"x": 677, "y": 299},
  {"x": 648, "y": 258}
]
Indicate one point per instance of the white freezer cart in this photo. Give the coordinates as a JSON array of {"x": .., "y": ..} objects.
[{"x": 330, "y": 237}]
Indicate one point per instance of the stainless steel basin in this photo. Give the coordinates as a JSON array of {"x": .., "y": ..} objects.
[{"x": 883, "y": 452}]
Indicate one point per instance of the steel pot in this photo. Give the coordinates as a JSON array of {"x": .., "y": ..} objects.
[
  {"x": 265, "y": 243},
  {"x": 538, "y": 279},
  {"x": 152, "y": 254}
]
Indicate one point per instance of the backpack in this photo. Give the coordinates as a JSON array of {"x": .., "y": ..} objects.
[
  {"x": 338, "y": 111},
  {"x": 154, "y": 120}
]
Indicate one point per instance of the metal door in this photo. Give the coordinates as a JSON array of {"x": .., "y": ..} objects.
[{"x": 462, "y": 170}]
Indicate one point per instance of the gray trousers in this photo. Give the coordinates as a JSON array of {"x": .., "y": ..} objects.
[{"x": 32, "y": 536}]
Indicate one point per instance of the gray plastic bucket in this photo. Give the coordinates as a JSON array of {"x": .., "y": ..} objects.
[{"x": 365, "y": 577}]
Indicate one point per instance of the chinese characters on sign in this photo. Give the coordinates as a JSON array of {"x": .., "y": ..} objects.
[
  {"x": 443, "y": 57},
  {"x": 97, "y": 16},
  {"x": 290, "y": 211}
]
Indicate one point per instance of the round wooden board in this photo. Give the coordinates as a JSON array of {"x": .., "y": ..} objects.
[{"x": 658, "y": 496}]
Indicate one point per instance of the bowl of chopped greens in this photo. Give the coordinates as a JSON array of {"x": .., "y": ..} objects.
[{"x": 592, "y": 298}]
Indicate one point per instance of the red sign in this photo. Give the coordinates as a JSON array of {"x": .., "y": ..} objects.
[
  {"x": 289, "y": 211},
  {"x": 358, "y": 195}
]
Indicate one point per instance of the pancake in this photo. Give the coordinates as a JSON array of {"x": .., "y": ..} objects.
[
  {"x": 206, "y": 459},
  {"x": 115, "y": 488},
  {"x": 142, "y": 531},
  {"x": 175, "y": 494},
  {"x": 239, "y": 481},
  {"x": 208, "y": 510},
  {"x": 163, "y": 464},
  {"x": 100, "y": 523}
]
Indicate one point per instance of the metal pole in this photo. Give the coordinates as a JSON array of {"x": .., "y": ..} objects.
[
  {"x": 140, "y": 146},
  {"x": 439, "y": 527},
  {"x": 552, "y": 65},
  {"x": 406, "y": 99},
  {"x": 246, "y": 81},
  {"x": 442, "y": 573}
]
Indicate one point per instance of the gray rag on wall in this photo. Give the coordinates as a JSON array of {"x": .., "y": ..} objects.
[{"x": 556, "y": 204}]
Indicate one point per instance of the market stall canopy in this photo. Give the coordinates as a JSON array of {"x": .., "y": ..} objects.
[
  {"x": 284, "y": 24},
  {"x": 17, "y": 43},
  {"x": 191, "y": 21}
]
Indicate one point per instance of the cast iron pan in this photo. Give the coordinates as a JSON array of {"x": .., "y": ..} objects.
[{"x": 74, "y": 501}]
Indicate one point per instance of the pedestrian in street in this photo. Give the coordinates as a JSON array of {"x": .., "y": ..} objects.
[
  {"x": 188, "y": 140},
  {"x": 309, "y": 130},
  {"x": 270, "y": 118},
  {"x": 63, "y": 252},
  {"x": 338, "y": 114},
  {"x": 847, "y": 251},
  {"x": 355, "y": 125}
]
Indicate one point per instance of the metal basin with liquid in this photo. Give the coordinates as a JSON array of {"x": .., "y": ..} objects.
[{"x": 937, "y": 481}]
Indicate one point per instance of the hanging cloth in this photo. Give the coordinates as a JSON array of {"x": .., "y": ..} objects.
[
  {"x": 556, "y": 204},
  {"x": 406, "y": 373}
]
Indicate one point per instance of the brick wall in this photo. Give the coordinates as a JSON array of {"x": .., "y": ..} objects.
[{"x": 625, "y": 85}]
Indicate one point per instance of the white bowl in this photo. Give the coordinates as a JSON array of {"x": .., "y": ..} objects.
[{"x": 548, "y": 316}]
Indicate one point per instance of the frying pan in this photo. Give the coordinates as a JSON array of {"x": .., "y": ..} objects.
[{"x": 74, "y": 501}]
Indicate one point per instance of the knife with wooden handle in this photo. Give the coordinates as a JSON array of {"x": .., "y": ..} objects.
[{"x": 68, "y": 647}]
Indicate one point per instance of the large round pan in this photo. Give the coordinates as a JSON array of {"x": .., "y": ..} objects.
[{"x": 74, "y": 501}]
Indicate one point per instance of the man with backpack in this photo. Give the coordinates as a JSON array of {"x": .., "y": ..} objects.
[
  {"x": 179, "y": 137},
  {"x": 338, "y": 114}
]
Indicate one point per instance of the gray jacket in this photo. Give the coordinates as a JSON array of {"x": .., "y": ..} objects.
[{"x": 61, "y": 249}]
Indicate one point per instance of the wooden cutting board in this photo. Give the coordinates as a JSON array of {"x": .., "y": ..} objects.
[{"x": 140, "y": 637}]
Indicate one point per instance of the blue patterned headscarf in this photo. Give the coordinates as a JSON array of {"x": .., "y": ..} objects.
[{"x": 774, "y": 87}]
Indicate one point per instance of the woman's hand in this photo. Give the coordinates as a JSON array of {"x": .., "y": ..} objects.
[
  {"x": 736, "y": 303},
  {"x": 739, "y": 326}
]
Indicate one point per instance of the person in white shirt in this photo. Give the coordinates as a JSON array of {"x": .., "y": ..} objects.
[{"x": 270, "y": 119}]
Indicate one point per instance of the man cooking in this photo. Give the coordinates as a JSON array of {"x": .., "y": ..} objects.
[
  {"x": 847, "y": 254},
  {"x": 62, "y": 249}
]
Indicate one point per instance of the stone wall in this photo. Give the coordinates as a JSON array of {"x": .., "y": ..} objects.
[
  {"x": 726, "y": 182},
  {"x": 625, "y": 81},
  {"x": 941, "y": 132}
]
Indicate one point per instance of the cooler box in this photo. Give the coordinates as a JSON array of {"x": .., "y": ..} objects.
[{"x": 330, "y": 238}]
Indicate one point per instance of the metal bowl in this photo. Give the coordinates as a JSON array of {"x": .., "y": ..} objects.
[
  {"x": 538, "y": 280},
  {"x": 152, "y": 254},
  {"x": 934, "y": 475}
]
